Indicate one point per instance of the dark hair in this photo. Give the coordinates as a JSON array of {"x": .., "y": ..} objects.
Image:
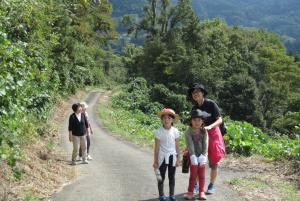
[
  {"x": 75, "y": 106},
  {"x": 203, "y": 121}
]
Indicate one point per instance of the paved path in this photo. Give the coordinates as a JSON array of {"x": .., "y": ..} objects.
[{"x": 121, "y": 171}]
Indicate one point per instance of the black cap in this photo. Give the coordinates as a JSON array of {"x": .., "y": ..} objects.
[
  {"x": 199, "y": 113},
  {"x": 197, "y": 86}
]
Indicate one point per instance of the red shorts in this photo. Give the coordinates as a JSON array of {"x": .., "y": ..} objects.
[{"x": 216, "y": 146}]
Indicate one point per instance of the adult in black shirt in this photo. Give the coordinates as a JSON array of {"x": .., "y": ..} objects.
[
  {"x": 216, "y": 147},
  {"x": 78, "y": 126}
]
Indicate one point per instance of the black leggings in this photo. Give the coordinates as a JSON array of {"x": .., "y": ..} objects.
[
  {"x": 171, "y": 176},
  {"x": 88, "y": 143}
]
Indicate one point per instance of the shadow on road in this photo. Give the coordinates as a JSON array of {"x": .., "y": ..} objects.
[{"x": 179, "y": 197}]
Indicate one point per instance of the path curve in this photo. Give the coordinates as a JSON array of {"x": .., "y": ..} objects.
[{"x": 122, "y": 172}]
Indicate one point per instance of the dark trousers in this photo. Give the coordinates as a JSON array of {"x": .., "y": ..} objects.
[
  {"x": 171, "y": 176},
  {"x": 88, "y": 142}
]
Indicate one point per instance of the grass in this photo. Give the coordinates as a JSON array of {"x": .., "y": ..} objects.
[
  {"x": 265, "y": 185},
  {"x": 30, "y": 197},
  {"x": 124, "y": 123},
  {"x": 134, "y": 126}
]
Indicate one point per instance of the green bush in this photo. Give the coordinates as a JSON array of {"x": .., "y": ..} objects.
[
  {"x": 245, "y": 139},
  {"x": 168, "y": 98},
  {"x": 130, "y": 113},
  {"x": 48, "y": 49}
]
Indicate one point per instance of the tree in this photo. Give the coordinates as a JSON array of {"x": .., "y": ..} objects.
[{"x": 239, "y": 99}]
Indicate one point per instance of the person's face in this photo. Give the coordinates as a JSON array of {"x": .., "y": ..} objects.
[
  {"x": 167, "y": 121},
  {"x": 83, "y": 109},
  {"x": 79, "y": 110},
  {"x": 198, "y": 95},
  {"x": 197, "y": 123}
]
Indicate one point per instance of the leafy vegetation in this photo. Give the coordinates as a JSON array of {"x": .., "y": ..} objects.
[
  {"x": 281, "y": 17},
  {"x": 48, "y": 49},
  {"x": 133, "y": 113},
  {"x": 246, "y": 71},
  {"x": 245, "y": 139}
]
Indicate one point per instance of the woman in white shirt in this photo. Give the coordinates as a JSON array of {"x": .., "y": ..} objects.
[{"x": 166, "y": 152}]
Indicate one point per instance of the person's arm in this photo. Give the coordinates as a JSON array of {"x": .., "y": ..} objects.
[
  {"x": 217, "y": 123},
  {"x": 87, "y": 125},
  {"x": 156, "y": 152},
  {"x": 70, "y": 128},
  {"x": 177, "y": 151},
  {"x": 189, "y": 142},
  {"x": 205, "y": 143},
  {"x": 92, "y": 132}
]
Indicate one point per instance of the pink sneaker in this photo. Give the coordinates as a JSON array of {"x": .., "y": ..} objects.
[
  {"x": 202, "y": 196},
  {"x": 188, "y": 196}
]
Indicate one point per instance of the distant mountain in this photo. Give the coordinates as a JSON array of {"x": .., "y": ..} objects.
[{"x": 279, "y": 16}]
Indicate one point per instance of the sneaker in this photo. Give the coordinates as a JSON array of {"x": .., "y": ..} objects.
[
  {"x": 211, "y": 189},
  {"x": 84, "y": 162},
  {"x": 79, "y": 158},
  {"x": 196, "y": 189},
  {"x": 188, "y": 196},
  {"x": 202, "y": 196},
  {"x": 89, "y": 158},
  {"x": 163, "y": 198},
  {"x": 172, "y": 198},
  {"x": 73, "y": 163}
]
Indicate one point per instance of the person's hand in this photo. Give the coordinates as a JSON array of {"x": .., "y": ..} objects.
[
  {"x": 155, "y": 165},
  {"x": 70, "y": 137},
  {"x": 208, "y": 128},
  {"x": 202, "y": 160},
  {"x": 194, "y": 160},
  {"x": 178, "y": 163}
]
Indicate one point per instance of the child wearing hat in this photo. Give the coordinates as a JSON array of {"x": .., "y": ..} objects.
[
  {"x": 166, "y": 150},
  {"x": 84, "y": 106},
  {"x": 197, "y": 145}
]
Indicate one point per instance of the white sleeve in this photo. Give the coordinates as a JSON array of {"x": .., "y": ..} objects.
[
  {"x": 176, "y": 133},
  {"x": 157, "y": 134}
]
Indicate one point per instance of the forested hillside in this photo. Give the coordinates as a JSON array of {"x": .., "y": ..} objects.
[
  {"x": 246, "y": 70},
  {"x": 281, "y": 17}
]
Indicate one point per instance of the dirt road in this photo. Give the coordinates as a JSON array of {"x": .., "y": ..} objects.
[{"x": 121, "y": 171}]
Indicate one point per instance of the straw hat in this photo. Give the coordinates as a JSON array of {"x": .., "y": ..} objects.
[{"x": 168, "y": 111}]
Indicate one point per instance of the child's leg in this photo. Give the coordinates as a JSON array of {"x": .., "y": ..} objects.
[
  {"x": 193, "y": 178},
  {"x": 171, "y": 175},
  {"x": 162, "y": 169},
  {"x": 88, "y": 141},
  {"x": 201, "y": 176}
]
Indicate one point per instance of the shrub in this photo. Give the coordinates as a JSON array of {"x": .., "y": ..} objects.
[{"x": 245, "y": 139}]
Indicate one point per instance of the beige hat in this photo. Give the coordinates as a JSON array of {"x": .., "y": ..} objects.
[
  {"x": 168, "y": 111},
  {"x": 84, "y": 105}
]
